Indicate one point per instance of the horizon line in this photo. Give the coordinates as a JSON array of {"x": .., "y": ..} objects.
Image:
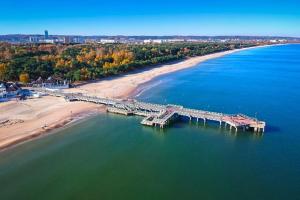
[{"x": 125, "y": 35}]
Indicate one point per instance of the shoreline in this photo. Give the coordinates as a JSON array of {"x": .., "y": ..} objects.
[
  {"x": 142, "y": 87},
  {"x": 111, "y": 88},
  {"x": 127, "y": 85},
  {"x": 35, "y": 118},
  {"x": 51, "y": 130}
]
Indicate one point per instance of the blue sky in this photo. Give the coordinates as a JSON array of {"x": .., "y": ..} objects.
[{"x": 164, "y": 17}]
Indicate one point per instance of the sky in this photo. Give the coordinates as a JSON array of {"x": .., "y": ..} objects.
[{"x": 155, "y": 17}]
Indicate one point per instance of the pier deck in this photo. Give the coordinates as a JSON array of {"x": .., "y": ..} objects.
[{"x": 161, "y": 115}]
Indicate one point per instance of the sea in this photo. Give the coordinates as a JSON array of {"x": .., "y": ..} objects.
[{"x": 110, "y": 156}]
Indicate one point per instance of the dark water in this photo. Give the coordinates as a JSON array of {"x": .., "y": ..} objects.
[{"x": 114, "y": 157}]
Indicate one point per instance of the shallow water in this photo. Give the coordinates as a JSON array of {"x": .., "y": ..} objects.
[{"x": 114, "y": 157}]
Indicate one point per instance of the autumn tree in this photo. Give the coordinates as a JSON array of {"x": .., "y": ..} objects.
[
  {"x": 3, "y": 68},
  {"x": 24, "y": 77},
  {"x": 90, "y": 61}
]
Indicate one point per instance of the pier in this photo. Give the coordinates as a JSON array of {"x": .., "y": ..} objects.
[{"x": 158, "y": 115}]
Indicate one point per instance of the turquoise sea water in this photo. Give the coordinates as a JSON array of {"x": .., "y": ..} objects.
[{"x": 114, "y": 157}]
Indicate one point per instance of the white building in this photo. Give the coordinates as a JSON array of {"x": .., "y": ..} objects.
[
  {"x": 108, "y": 41},
  {"x": 90, "y": 41},
  {"x": 2, "y": 90},
  {"x": 34, "y": 39},
  {"x": 51, "y": 83},
  {"x": 48, "y": 41},
  {"x": 156, "y": 41},
  {"x": 193, "y": 40},
  {"x": 147, "y": 41},
  {"x": 67, "y": 40},
  {"x": 54, "y": 84},
  {"x": 282, "y": 40},
  {"x": 78, "y": 40},
  {"x": 175, "y": 40}
]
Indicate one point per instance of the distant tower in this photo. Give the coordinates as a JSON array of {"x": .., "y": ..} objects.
[{"x": 46, "y": 34}]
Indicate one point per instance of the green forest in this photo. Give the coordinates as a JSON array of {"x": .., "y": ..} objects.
[{"x": 27, "y": 62}]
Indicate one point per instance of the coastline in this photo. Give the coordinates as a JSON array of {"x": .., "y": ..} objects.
[
  {"x": 142, "y": 87},
  {"x": 125, "y": 85},
  {"x": 34, "y": 118},
  {"x": 39, "y": 117},
  {"x": 51, "y": 129}
]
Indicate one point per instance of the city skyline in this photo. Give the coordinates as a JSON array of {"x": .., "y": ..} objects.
[{"x": 258, "y": 18}]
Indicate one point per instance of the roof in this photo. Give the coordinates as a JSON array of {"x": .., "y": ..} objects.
[
  {"x": 2, "y": 85},
  {"x": 11, "y": 87},
  {"x": 39, "y": 80},
  {"x": 53, "y": 79}
]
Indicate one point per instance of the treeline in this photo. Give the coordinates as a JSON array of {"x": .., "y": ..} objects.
[{"x": 87, "y": 62}]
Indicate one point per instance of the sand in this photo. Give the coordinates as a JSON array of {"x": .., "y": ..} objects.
[{"x": 23, "y": 120}]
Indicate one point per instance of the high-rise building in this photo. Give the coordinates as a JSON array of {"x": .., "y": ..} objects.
[
  {"x": 67, "y": 40},
  {"x": 33, "y": 39},
  {"x": 46, "y": 34}
]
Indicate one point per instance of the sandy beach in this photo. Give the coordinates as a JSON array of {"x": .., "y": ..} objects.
[
  {"x": 24, "y": 120},
  {"x": 124, "y": 85}
]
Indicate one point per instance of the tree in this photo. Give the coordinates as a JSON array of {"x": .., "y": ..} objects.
[
  {"x": 84, "y": 62},
  {"x": 24, "y": 77},
  {"x": 3, "y": 68}
]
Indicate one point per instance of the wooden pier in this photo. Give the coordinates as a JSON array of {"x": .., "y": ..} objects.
[{"x": 162, "y": 115}]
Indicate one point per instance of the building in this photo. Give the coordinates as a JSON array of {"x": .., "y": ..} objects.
[
  {"x": 3, "y": 91},
  {"x": 78, "y": 40},
  {"x": 9, "y": 90},
  {"x": 46, "y": 35},
  {"x": 147, "y": 41},
  {"x": 108, "y": 41},
  {"x": 12, "y": 89},
  {"x": 67, "y": 40},
  {"x": 51, "y": 83},
  {"x": 282, "y": 41},
  {"x": 48, "y": 41},
  {"x": 175, "y": 40},
  {"x": 156, "y": 41},
  {"x": 90, "y": 41},
  {"x": 34, "y": 39}
]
